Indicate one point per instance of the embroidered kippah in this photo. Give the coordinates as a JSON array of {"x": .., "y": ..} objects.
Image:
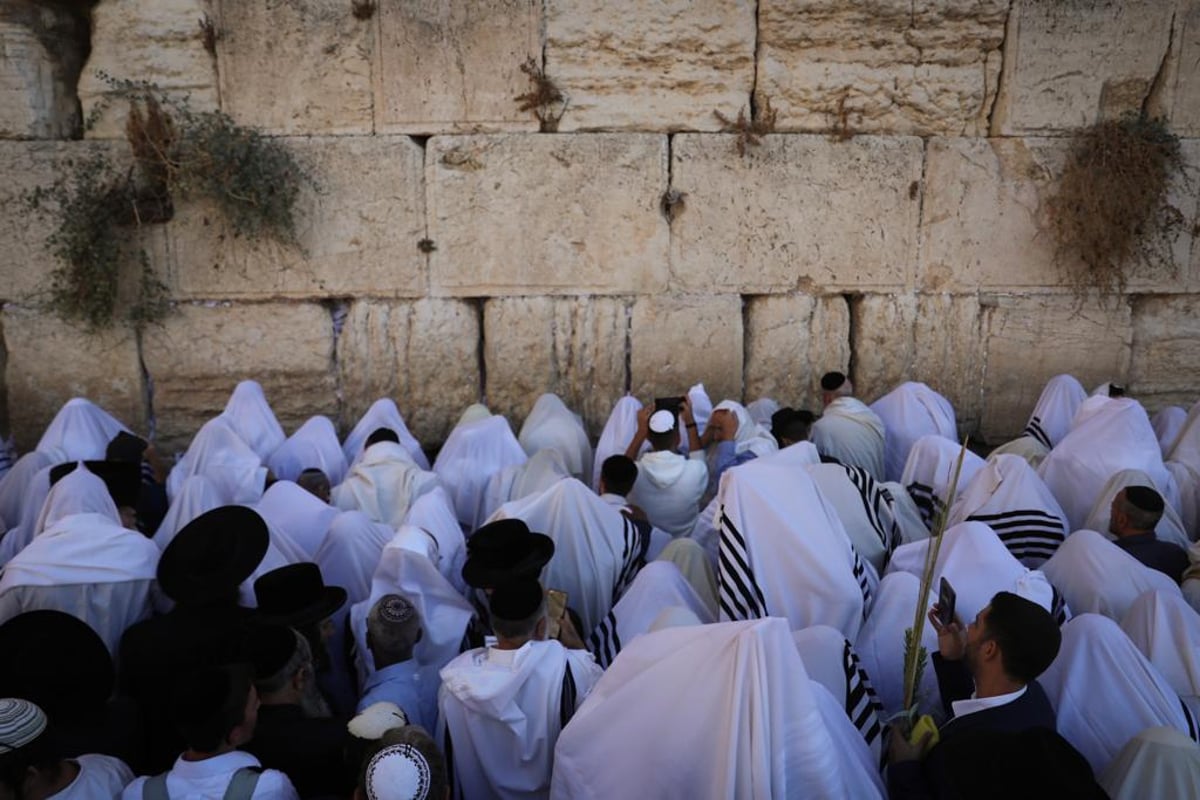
[
  {"x": 394, "y": 609},
  {"x": 398, "y": 772}
]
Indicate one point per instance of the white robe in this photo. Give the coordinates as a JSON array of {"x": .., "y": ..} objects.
[
  {"x": 350, "y": 553},
  {"x": 544, "y": 469},
  {"x": 299, "y": 514},
  {"x": 80, "y": 431},
  {"x": 880, "y": 645},
  {"x": 1167, "y": 424},
  {"x": 702, "y": 408},
  {"x": 382, "y": 414},
  {"x": 929, "y": 471},
  {"x": 314, "y": 445},
  {"x": 1186, "y": 445},
  {"x": 908, "y": 412},
  {"x": 905, "y": 513},
  {"x": 551, "y": 425},
  {"x": 15, "y": 539},
  {"x": 219, "y": 454},
  {"x": 852, "y": 433},
  {"x": 1167, "y": 631},
  {"x": 1158, "y": 762},
  {"x": 1056, "y": 407},
  {"x": 1027, "y": 447},
  {"x": 863, "y": 508},
  {"x": 472, "y": 454},
  {"x": 432, "y": 513},
  {"x": 196, "y": 495},
  {"x": 383, "y": 484},
  {"x": 617, "y": 434},
  {"x": 1096, "y": 576},
  {"x": 829, "y": 659},
  {"x": 251, "y": 418},
  {"x": 14, "y": 486}
]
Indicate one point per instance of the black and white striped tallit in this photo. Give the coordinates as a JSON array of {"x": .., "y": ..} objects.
[
  {"x": 1056, "y": 407},
  {"x": 738, "y": 593},
  {"x": 862, "y": 706},
  {"x": 929, "y": 471},
  {"x": 863, "y": 508}
]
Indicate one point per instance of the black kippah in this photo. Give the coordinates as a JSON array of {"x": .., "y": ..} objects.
[
  {"x": 516, "y": 600},
  {"x": 832, "y": 381},
  {"x": 1144, "y": 498}
]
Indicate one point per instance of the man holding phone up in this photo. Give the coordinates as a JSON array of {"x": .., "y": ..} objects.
[{"x": 669, "y": 485}]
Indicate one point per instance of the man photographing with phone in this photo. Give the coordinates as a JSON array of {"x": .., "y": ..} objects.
[{"x": 669, "y": 485}]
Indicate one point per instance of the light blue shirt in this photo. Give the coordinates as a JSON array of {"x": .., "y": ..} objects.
[{"x": 402, "y": 684}]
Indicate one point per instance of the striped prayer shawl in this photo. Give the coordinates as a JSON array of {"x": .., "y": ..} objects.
[
  {"x": 928, "y": 503},
  {"x": 605, "y": 643},
  {"x": 875, "y": 499},
  {"x": 633, "y": 553},
  {"x": 739, "y": 594},
  {"x": 862, "y": 704},
  {"x": 864, "y": 583},
  {"x": 1032, "y": 535},
  {"x": 1193, "y": 730},
  {"x": 1034, "y": 429}
]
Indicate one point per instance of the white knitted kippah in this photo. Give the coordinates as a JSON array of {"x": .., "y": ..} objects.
[{"x": 398, "y": 772}]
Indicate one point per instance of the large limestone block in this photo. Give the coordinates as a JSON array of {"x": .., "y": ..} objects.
[
  {"x": 455, "y": 66},
  {"x": 49, "y": 362},
  {"x": 1031, "y": 339},
  {"x": 1185, "y": 78},
  {"x": 1068, "y": 64},
  {"x": 159, "y": 41},
  {"x": 42, "y": 48},
  {"x": 796, "y": 212},
  {"x": 1164, "y": 368},
  {"x": 651, "y": 66},
  {"x": 679, "y": 340},
  {"x": 538, "y": 214},
  {"x": 791, "y": 341},
  {"x": 198, "y": 355},
  {"x": 358, "y": 230},
  {"x": 423, "y": 354},
  {"x": 296, "y": 66},
  {"x": 880, "y": 66},
  {"x": 574, "y": 347}
]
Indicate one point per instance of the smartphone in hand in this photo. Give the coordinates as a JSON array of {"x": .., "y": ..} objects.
[
  {"x": 556, "y": 606},
  {"x": 946, "y": 598}
]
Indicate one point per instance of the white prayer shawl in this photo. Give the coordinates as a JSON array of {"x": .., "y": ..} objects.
[
  {"x": 1158, "y": 762},
  {"x": 433, "y": 514},
  {"x": 1169, "y": 529},
  {"x": 80, "y": 431},
  {"x": 14, "y": 486},
  {"x": 196, "y": 495},
  {"x": 473, "y": 413},
  {"x": 863, "y": 508},
  {"x": 595, "y": 545},
  {"x": 761, "y": 410},
  {"x": 219, "y": 454},
  {"x": 1057, "y": 406},
  {"x": 1167, "y": 632},
  {"x": 693, "y": 563},
  {"x": 908, "y": 412},
  {"x": 617, "y": 434},
  {"x": 1027, "y": 447},
  {"x": 929, "y": 471},
  {"x": 830, "y": 660},
  {"x": 78, "y": 492},
  {"x": 1188, "y": 481},
  {"x": 905, "y": 513},
  {"x": 783, "y": 550},
  {"x": 544, "y": 469},
  {"x": 281, "y": 551},
  {"x": 383, "y": 484},
  {"x": 1104, "y": 691},
  {"x": 1095, "y": 576},
  {"x": 350, "y": 553},
  {"x": 750, "y": 436},
  {"x": 552, "y": 426},
  {"x": 251, "y": 418},
  {"x": 852, "y": 433},
  {"x": 659, "y": 585},
  {"x": 500, "y": 721},
  {"x": 472, "y": 454},
  {"x": 15, "y": 539},
  {"x": 313, "y": 446},
  {"x": 1113, "y": 435},
  {"x": 382, "y": 414},
  {"x": 302, "y": 516},
  {"x": 880, "y": 645},
  {"x": 702, "y": 409},
  {"x": 746, "y": 723},
  {"x": 1008, "y": 496},
  {"x": 1167, "y": 424}
]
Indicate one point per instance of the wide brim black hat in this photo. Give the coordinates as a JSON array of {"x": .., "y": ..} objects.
[
  {"x": 503, "y": 550},
  {"x": 296, "y": 595},
  {"x": 122, "y": 479},
  {"x": 56, "y": 661},
  {"x": 213, "y": 554}
]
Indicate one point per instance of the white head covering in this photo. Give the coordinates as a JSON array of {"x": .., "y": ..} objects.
[
  {"x": 313, "y": 446},
  {"x": 220, "y": 455},
  {"x": 761, "y": 410},
  {"x": 702, "y": 408},
  {"x": 14, "y": 486},
  {"x": 748, "y": 725},
  {"x": 750, "y": 436},
  {"x": 398, "y": 772},
  {"x": 1104, "y": 691},
  {"x": 1096, "y": 576},
  {"x": 910, "y": 411},
  {"x": 80, "y": 431},
  {"x": 1169, "y": 529},
  {"x": 78, "y": 492},
  {"x": 905, "y": 512},
  {"x": 1051, "y": 417},
  {"x": 692, "y": 561},
  {"x": 350, "y": 553},
  {"x": 929, "y": 470},
  {"x": 472, "y": 454},
  {"x": 251, "y": 418},
  {"x": 299, "y": 514},
  {"x": 1027, "y": 447},
  {"x": 880, "y": 644},
  {"x": 617, "y": 434},
  {"x": 1158, "y": 762},
  {"x": 31, "y": 508},
  {"x": 383, "y": 483},
  {"x": 830, "y": 660},
  {"x": 196, "y": 495},
  {"x": 473, "y": 413},
  {"x": 863, "y": 508},
  {"x": 433, "y": 514},
  {"x": 1167, "y": 424},
  {"x": 1167, "y": 631},
  {"x": 1188, "y": 481},
  {"x": 543, "y": 469},
  {"x": 382, "y": 414},
  {"x": 551, "y": 425}
]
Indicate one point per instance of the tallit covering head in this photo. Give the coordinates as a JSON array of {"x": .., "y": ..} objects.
[
  {"x": 760, "y": 411},
  {"x": 1051, "y": 417},
  {"x": 350, "y": 552},
  {"x": 551, "y": 425},
  {"x": 196, "y": 495},
  {"x": 929, "y": 470},
  {"x": 863, "y": 508},
  {"x": 1170, "y": 527},
  {"x": 702, "y": 409},
  {"x": 1104, "y": 691},
  {"x": 80, "y": 431},
  {"x": 382, "y": 414},
  {"x": 251, "y": 418},
  {"x": 617, "y": 434},
  {"x": 1158, "y": 762},
  {"x": 1096, "y": 576},
  {"x": 473, "y": 413},
  {"x": 750, "y": 436},
  {"x": 432, "y": 513},
  {"x": 84, "y": 493},
  {"x": 472, "y": 454},
  {"x": 219, "y": 454},
  {"x": 383, "y": 484},
  {"x": 15, "y": 486},
  {"x": 1167, "y": 424},
  {"x": 1027, "y": 447},
  {"x": 1167, "y": 631},
  {"x": 830, "y": 660},
  {"x": 748, "y": 725},
  {"x": 910, "y": 411},
  {"x": 298, "y": 514},
  {"x": 313, "y": 446},
  {"x": 544, "y": 469},
  {"x": 880, "y": 645}
]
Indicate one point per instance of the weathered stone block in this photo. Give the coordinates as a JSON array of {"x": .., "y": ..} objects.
[
  {"x": 1068, "y": 64},
  {"x": 454, "y": 66},
  {"x": 679, "y": 340},
  {"x": 1184, "y": 101},
  {"x": 791, "y": 341},
  {"x": 159, "y": 41},
  {"x": 876, "y": 66},
  {"x": 651, "y": 66},
  {"x": 777, "y": 219},
  {"x": 300, "y": 66},
  {"x": 574, "y": 347},
  {"x": 358, "y": 230},
  {"x": 538, "y": 214},
  {"x": 49, "y": 362},
  {"x": 197, "y": 356},
  {"x": 42, "y": 47},
  {"x": 1163, "y": 369},
  {"x": 422, "y": 354}
]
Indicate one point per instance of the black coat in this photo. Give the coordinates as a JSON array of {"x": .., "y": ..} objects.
[{"x": 314, "y": 752}]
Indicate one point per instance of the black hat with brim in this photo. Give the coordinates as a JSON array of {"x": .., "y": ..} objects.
[
  {"x": 213, "y": 554},
  {"x": 122, "y": 479},
  {"x": 296, "y": 595},
  {"x": 504, "y": 550},
  {"x": 56, "y": 661}
]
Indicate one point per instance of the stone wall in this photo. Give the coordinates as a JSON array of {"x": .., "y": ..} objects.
[{"x": 894, "y": 225}]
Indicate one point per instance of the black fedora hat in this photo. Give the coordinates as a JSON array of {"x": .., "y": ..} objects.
[
  {"x": 503, "y": 550},
  {"x": 56, "y": 661},
  {"x": 123, "y": 480},
  {"x": 296, "y": 595},
  {"x": 213, "y": 554}
]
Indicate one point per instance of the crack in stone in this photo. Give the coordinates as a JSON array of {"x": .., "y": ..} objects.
[
  {"x": 757, "y": 47},
  {"x": 1158, "y": 83},
  {"x": 991, "y": 116}
]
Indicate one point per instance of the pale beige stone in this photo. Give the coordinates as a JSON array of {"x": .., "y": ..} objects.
[
  {"x": 573, "y": 347},
  {"x": 679, "y": 340},
  {"x": 421, "y": 354},
  {"x": 455, "y": 66},
  {"x": 200, "y": 353},
  {"x": 1070, "y": 64},
  {"x": 41, "y": 51},
  {"x": 49, "y": 362},
  {"x": 1185, "y": 77},
  {"x": 651, "y": 66},
  {"x": 539, "y": 214},
  {"x": 796, "y": 212},
  {"x": 358, "y": 227},
  {"x": 880, "y": 66},
  {"x": 159, "y": 41},
  {"x": 791, "y": 341},
  {"x": 1163, "y": 369},
  {"x": 299, "y": 67}
]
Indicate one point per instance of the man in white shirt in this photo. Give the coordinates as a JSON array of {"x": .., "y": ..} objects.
[
  {"x": 848, "y": 430},
  {"x": 669, "y": 486}
]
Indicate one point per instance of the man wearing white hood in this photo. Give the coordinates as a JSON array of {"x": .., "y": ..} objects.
[
  {"x": 669, "y": 486},
  {"x": 848, "y": 430}
]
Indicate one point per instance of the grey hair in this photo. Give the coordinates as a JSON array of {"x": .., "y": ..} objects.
[{"x": 301, "y": 657}]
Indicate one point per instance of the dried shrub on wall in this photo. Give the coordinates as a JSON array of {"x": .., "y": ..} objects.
[
  {"x": 544, "y": 98},
  {"x": 750, "y": 130},
  {"x": 1109, "y": 213}
]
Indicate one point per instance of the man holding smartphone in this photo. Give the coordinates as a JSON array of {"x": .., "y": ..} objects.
[{"x": 669, "y": 485}]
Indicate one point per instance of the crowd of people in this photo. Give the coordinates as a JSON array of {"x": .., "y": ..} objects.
[{"x": 706, "y": 601}]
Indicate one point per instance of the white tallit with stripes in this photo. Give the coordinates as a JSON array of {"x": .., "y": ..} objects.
[
  {"x": 473, "y": 453},
  {"x": 551, "y": 425},
  {"x": 910, "y": 411},
  {"x": 880, "y": 645},
  {"x": 929, "y": 471},
  {"x": 863, "y": 508},
  {"x": 314, "y": 445},
  {"x": 1007, "y": 495},
  {"x": 746, "y": 722},
  {"x": 251, "y": 418},
  {"x": 830, "y": 660},
  {"x": 1167, "y": 631},
  {"x": 1096, "y": 576},
  {"x": 382, "y": 414},
  {"x": 596, "y": 553},
  {"x": 1170, "y": 527},
  {"x": 1056, "y": 407},
  {"x": 783, "y": 550},
  {"x": 617, "y": 434},
  {"x": 852, "y": 433}
]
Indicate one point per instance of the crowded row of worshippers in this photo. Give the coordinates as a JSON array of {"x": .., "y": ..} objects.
[{"x": 707, "y": 602}]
